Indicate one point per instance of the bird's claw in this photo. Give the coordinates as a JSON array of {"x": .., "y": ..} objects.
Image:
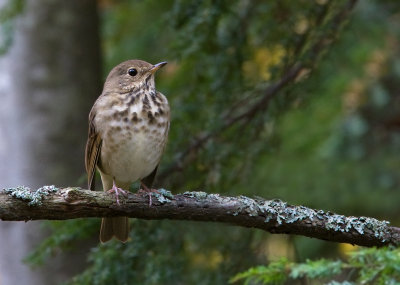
[
  {"x": 117, "y": 191},
  {"x": 148, "y": 191}
]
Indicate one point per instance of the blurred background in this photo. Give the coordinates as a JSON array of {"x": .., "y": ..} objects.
[{"x": 328, "y": 137}]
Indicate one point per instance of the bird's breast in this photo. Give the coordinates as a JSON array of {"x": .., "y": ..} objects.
[{"x": 134, "y": 138}]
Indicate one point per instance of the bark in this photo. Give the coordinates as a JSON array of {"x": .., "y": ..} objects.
[
  {"x": 50, "y": 78},
  {"x": 274, "y": 216}
]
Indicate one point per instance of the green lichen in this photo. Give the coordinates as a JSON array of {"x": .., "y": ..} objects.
[
  {"x": 26, "y": 194},
  {"x": 286, "y": 214},
  {"x": 196, "y": 194},
  {"x": 166, "y": 193},
  {"x": 74, "y": 188},
  {"x": 214, "y": 197},
  {"x": 360, "y": 224},
  {"x": 163, "y": 196},
  {"x": 249, "y": 206}
]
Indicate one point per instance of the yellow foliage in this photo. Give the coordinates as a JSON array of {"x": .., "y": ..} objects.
[
  {"x": 345, "y": 249},
  {"x": 209, "y": 260},
  {"x": 374, "y": 69},
  {"x": 301, "y": 26},
  {"x": 321, "y": 2},
  {"x": 276, "y": 247},
  {"x": 257, "y": 68},
  {"x": 355, "y": 96}
]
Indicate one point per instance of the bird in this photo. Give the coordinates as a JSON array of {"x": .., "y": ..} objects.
[{"x": 128, "y": 130}]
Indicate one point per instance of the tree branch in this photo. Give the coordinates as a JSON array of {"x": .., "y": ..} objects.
[{"x": 274, "y": 216}]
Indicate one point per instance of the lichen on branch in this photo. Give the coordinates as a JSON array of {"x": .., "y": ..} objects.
[{"x": 274, "y": 216}]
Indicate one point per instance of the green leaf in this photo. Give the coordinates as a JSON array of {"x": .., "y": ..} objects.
[
  {"x": 274, "y": 273},
  {"x": 316, "y": 269}
]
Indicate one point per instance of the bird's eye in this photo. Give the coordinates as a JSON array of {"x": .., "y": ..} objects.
[{"x": 132, "y": 71}]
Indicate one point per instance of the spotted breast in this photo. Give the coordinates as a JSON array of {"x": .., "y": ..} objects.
[{"x": 134, "y": 132}]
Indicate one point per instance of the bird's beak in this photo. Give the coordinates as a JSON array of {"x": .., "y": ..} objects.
[{"x": 157, "y": 67}]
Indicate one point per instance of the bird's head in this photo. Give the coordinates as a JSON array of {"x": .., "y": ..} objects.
[{"x": 132, "y": 74}]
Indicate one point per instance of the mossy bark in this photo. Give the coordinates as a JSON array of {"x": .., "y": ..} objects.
[{"x": 274, "y": 216}]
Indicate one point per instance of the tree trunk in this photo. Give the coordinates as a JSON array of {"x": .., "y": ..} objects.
[{"x": 50, "y": 78}]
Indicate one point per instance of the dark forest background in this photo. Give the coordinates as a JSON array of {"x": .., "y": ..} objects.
[{"x": 328, "y": 138}]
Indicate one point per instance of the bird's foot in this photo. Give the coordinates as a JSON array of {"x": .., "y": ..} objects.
[
  {"x": 117, "y": 191},
  {"x": 147, "y": 191}
]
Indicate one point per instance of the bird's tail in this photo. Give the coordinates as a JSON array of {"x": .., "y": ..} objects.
[{"x": 117, "y": 227}]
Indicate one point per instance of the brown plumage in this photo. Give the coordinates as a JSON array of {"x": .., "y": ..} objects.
[{"x": 128, "y": 129}]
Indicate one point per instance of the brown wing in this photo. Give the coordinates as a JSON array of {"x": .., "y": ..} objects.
[{"x": 92, "y": 153}]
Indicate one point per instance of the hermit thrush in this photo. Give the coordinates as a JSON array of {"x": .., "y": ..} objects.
[{"x": 128, "y": 129}]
